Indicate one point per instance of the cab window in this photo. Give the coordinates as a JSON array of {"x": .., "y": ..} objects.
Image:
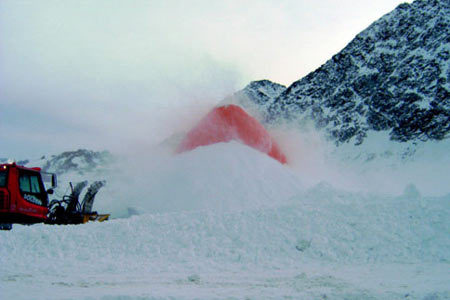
[
  {"x": 34, "y": 183},
  {"x": 32, "y": 189},
  {"x": 24, "y": 183},
  {"x": 3, "y": 175}
]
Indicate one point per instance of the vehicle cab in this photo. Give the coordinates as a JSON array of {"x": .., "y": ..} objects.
[{"x": 23, "y": 197}]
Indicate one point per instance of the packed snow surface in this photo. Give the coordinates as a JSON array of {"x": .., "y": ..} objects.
[{"x": 228, "y": 222}]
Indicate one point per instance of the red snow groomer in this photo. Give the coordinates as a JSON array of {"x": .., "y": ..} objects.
[{"x": 24, "y": 199}]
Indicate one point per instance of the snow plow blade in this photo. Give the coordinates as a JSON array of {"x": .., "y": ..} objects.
[{"x": 95, "y": 217}]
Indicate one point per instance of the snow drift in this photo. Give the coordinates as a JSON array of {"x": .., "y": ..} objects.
[
  {"x": 228, "y": 222},
  {"x": 221, "y": 177}
]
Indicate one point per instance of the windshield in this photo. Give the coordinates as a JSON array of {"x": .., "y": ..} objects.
[
  {"x": 31, "y": 188},
  {"x": 3, "y": 175}
]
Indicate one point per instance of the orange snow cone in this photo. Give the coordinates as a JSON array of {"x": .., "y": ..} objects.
[{"x": 230, "y": 122}]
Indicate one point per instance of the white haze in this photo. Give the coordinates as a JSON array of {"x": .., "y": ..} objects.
[
  {"x": 117, "y": 74},
  {"x": 232, "y": 176}
]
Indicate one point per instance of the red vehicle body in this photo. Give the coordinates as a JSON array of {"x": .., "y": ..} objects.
[{"x": 23, "y": 197}]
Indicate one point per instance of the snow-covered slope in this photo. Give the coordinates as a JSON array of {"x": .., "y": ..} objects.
[
  {"x": 80, "y": 161},
  {"x": 385, "y": 166},
  {"x": 228, "y": 222},
  {"x": 74, "y": 166}
]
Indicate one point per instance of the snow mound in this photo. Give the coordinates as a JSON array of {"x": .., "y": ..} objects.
[
  {"x": 219, "y": 177},
  {"x": 327, "y": 242},
  {"x": 228, "y": 222},
  {"x": 385, "y": 166}
]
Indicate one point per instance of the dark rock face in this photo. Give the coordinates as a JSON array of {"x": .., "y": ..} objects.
[
  {"x": 263, "y": 92},
  {"x": 80, "y": 161},
  {"x": 395, "y": 76},
  {"x": 256, "y": 97}
]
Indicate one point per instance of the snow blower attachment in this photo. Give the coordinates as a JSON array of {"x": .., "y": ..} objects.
[
  {"x": 24, "y": 199},
  {"x": 70, "y": 210}
]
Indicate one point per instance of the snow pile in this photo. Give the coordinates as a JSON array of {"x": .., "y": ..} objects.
[
  {"x": 383, "y": 166},
  {"x": 228, "y": 222},
  {"x": 328, "y": 242},
  {"x": 220, "y": 177}
]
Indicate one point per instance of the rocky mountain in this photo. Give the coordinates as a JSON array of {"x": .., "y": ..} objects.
[
  {"x": 256, "y": 97},
  {"x": 8, "y": 160},
  {"x": 262, "y": 92},
  {"x": 81, "y": 161},
  {"x": 394, "y": 76}
]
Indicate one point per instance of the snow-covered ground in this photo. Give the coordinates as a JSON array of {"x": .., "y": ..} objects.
[{"x": 228, "y": 222}]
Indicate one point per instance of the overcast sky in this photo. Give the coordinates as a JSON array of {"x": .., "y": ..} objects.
[{"x": 111, "y": 75}]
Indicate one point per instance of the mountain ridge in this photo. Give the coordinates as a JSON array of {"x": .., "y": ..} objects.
[{"x": 393, "y": 76}]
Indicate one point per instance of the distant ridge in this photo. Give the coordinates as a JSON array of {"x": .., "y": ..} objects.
[{"x": 81, "y": 161}]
